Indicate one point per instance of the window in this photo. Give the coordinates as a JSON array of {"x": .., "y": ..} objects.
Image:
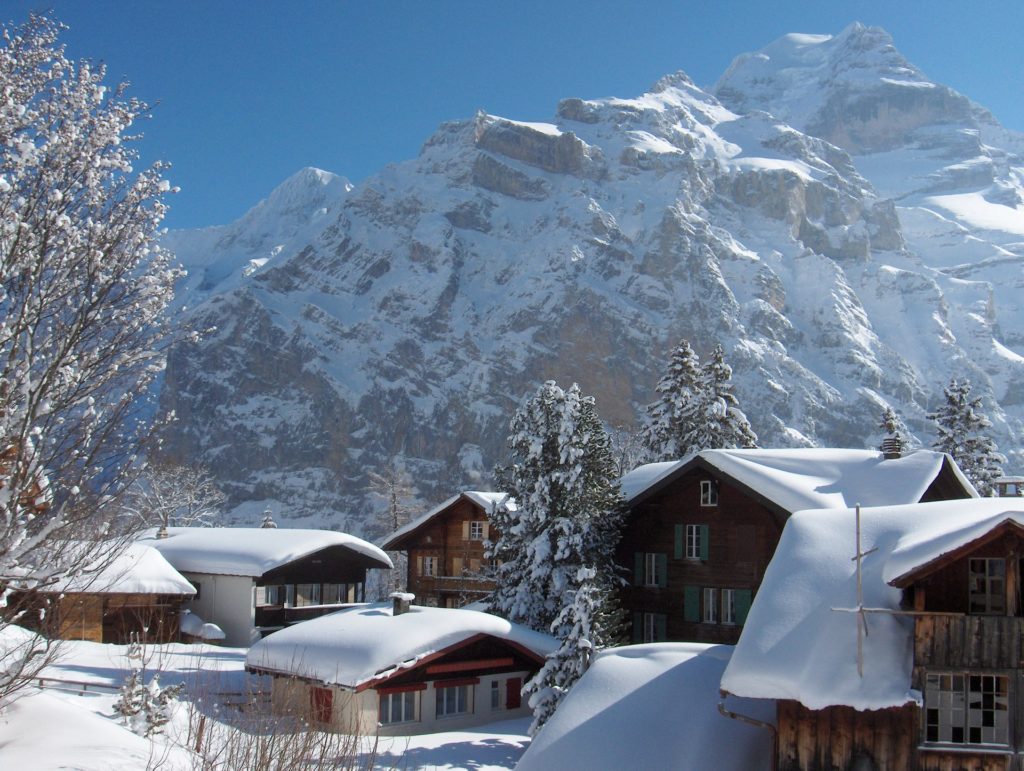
[
  {"x": 728, "y": 606},
  {"x": 651, "y": 574},
  {"x": 428, "y": 566},
  {"x": 452, "y": 700},
  {"x": 397, "y": 707},
  {"x": 495, "y": 695},
  {"x": 987, "y": 585},
  {"x": 649, "y": 627},
  {"x": 270, "y": 595},
  {"x": 332, "y": 594},
  {"x": 710, "y": 615},
  {"x": 476, "y": 531},
  {"x": 708, "y": 492},
  {"x": 696, "y": 542},
  {"x": 965, "y": 708},
  {"x": 307, "y": 594}
]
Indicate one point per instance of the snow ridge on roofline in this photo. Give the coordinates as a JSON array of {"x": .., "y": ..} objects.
[
  {"x": 251, "y": 551},
  {"x": 485, "y": 500},
  {"x": 811, "y": 478}
]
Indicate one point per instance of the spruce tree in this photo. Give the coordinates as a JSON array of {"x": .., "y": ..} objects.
[
  {"x": 667, "y": 432},
  {"x": 721, "y": 424},
  {"x": 556, "y": 548},
  {"x": 962, "y": 429},
  {"x": 696, "y": 409}
]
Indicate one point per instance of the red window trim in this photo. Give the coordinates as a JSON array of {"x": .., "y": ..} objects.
[
  {"x": 383, "y": 690},
  {"x": 457, "y": 682}
]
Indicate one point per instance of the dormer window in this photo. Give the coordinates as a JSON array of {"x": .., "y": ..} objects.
[
  {"x": 708, "y": 492},
  {"x": 987, "y": 586}
]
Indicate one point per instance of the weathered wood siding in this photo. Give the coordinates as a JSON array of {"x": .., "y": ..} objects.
[
  {"x": 968, "y": 642},
  {"x": 834, "y": 739},
  {"x": 742, "y": 536}
]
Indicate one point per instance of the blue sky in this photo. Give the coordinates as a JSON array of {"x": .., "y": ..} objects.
[{"x": 249, "y": 92}]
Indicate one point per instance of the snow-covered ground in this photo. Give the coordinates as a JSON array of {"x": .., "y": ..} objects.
[{"x": 51, "y": 729}]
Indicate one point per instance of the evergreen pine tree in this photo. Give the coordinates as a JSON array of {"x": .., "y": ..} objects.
[
  {"x": 666, "y": 432},
  {"x": 897, "y": 436},
  {"x": 696, "y": 409},
  {"x": 721, "y": 424},
  {"x": 962, "y": 429},
  {"x": 556, "y": 548}
]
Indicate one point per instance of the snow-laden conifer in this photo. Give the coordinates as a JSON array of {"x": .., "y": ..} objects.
[
  {"x": 83, "y": 288},
  {"x": 696, "y": 408},
  {"x": 667, "y": 430},
  {"x": 720, "y": 423},
  {"x": 963, "y": 433},
  {"x": 556, "y": 548}
]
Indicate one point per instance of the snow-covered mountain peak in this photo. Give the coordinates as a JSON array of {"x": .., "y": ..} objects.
[{"x": 404, "y": 319}]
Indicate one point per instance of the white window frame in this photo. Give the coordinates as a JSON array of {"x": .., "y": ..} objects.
[
  {"x": 709, "y": 612},
  {"x": 476, "y": 530},
  {"x": 452, "y": 700},
  {"x": 728, "y": 606},
  {"x": 955, "y": 709},
  {"x": 429, "y": 568},
  {"x": 650, "y": 628},
  {"x": 407, "y": 701},
  {"x": 708, "y": 492},
  {"x": 693, "y": 542},
  {"x": 496, "y": 695},
  {"x": 651, "y": 575}
]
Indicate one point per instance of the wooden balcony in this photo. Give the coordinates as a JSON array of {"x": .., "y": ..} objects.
[{"x": 968, "y": 642}]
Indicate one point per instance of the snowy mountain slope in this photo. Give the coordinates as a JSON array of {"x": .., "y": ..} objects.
[
  {"x": 955, "y": 174},
  {"x": 408, "y": 316}
]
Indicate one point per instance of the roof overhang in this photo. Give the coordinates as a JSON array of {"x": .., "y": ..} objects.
[{"x": 910, "y": 577}]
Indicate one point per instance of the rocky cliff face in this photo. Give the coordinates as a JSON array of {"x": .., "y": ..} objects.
[{"x": 406, "y": 317}]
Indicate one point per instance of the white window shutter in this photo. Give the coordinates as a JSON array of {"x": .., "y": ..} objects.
[
  {"x": 487, "y": 530},
  {"x": 465, "y": 530}
]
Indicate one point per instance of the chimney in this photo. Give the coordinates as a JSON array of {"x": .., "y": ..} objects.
[
  {"x": 401, "y": 602},
  {"x": 892, "y": 448}
]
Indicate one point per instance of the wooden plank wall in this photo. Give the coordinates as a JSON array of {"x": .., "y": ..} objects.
[
  {"x": 832, "y": 739},
  {"x": 968, "y": 642}
]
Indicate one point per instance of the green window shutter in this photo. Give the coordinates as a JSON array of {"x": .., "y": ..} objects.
[
  {"x": 638, "y": 628},
  {"x": 662, "y": 560},
  {"x": 743, "y": 600},
  {"x": 703, "y": 543},
  {"x": 638, "y": 575},
  {"x": 679, "y": 541},
  {"x": 659, "y": 628},
  {"x": 691, "y": 603}
]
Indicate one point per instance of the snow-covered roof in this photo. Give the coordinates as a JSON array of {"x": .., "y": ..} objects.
[
  {"x": 810, "y": 478},
  {"x": 652, "y": 706},
  {"x": 485, "y": 500},
  {"x": 796, "y": 646},
  {"x": 138, "y": 569},
  {"x": 367, "y": 642},
  {"x": 251, "y": 551}
]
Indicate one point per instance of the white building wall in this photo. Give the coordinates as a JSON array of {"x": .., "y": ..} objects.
[{"x": 228, "y": 602}]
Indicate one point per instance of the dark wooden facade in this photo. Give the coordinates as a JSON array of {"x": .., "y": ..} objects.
[
  {"x": 741, "y": 530},
  {"x": 741, "y": 534},
  {"x": 104, "y": 617},
  {"x": 968, "y": 664},
  {"x": 311, "y": 586},
  {"x": 447, "y": 566}
]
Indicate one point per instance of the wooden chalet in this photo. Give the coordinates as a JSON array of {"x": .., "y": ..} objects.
[
  {"x": 700, "y": 532},
  {"x": 400, "y": 670},
  {"x": 925, "y": 672},
  {"x": 138, "y": 595},
  {"x": 445, "y": 546}
]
